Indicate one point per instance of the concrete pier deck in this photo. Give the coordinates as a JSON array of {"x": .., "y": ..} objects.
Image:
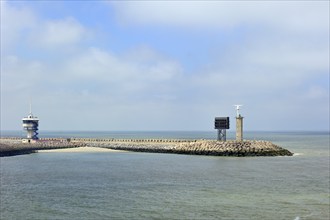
[{"x": 14, "y": 146}]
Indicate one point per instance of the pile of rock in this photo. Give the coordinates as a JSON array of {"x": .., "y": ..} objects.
[
  {"x": 11, "y": 147},
  {"x": 233, "y": 148},
  {"x": 202, "y": 147}
]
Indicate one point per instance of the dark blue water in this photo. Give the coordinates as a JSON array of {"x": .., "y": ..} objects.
[{"x": 102, "y": 185}]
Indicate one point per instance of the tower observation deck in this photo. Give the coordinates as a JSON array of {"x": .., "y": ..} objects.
[{"x": 30, "y": 124}]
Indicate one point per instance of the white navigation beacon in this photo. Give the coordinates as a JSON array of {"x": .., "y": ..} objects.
[
  {"x": 237, "y": 110},
  {"x": 30, "y": 124}
]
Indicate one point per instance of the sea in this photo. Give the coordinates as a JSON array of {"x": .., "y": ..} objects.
[{"x": 132, "y": 185}]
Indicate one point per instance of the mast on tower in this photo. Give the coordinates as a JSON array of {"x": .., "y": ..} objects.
[{"x": 237, "y": 110}]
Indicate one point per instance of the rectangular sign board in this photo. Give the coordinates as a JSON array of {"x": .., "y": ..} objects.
[{"x": 221, "y": 123}]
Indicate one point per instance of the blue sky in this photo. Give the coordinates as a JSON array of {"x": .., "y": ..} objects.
[{"x": 165, "y": 65}]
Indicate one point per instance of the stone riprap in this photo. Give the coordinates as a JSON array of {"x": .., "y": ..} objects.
[
  {"x": 193, "y": 147},
  {"x": 14, "y": 146},
  {"x": 196, "y": 147}
]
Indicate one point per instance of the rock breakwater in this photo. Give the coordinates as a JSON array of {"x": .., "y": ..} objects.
[
  {"x": 198, "y": 147},
  {"x": 193, "y": 147},
  {"x": 14, "y": 146}
]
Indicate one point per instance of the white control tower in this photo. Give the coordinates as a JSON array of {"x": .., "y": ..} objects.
[{"x": 30, "y": 124}]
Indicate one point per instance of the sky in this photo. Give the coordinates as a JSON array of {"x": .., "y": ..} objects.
[{"x": 165, "y": 65}]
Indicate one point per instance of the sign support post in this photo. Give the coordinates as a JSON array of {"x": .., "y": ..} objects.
[{"x": 221, "y": 124}]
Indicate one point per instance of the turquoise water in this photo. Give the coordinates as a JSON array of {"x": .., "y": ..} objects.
[{"x": 126, "y": 185}]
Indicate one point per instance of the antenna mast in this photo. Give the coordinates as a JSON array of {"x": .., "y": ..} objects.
[
  {"x": 30, "y": 106},
  {"x": 237, "y": 110}
]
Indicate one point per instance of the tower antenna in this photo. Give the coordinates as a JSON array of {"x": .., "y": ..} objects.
[
  {"x": 237, "y": 110},
  {"x": 30, "y": 106}
]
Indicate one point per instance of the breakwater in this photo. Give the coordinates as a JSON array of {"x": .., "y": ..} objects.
[
  {"x": 177, "y": 146},
  {"x": 196, "y": 147},
  {"x": 14, "y": 146}
]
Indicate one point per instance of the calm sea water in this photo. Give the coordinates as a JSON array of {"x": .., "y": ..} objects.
[{"x": 126, "y": 185}]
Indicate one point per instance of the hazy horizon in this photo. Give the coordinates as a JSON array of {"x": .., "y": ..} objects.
[{"x": 160, "y": 131}]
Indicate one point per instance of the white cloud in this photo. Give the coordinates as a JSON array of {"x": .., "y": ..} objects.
[
  {"x": 21, "y": 26},
  {"x": 282, "y": 45},
  {"x": 297, "y": 15},
  {"x": 14, "y": 21},
  {"x": 96, "y": 64},
  {"x": 54, "y": 33},
  {"x": 317, "y": 92},
  {"x": 19, "y": 75}
]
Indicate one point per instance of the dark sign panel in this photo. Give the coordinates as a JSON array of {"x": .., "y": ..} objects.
[{"x": 221, "y": 123}]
